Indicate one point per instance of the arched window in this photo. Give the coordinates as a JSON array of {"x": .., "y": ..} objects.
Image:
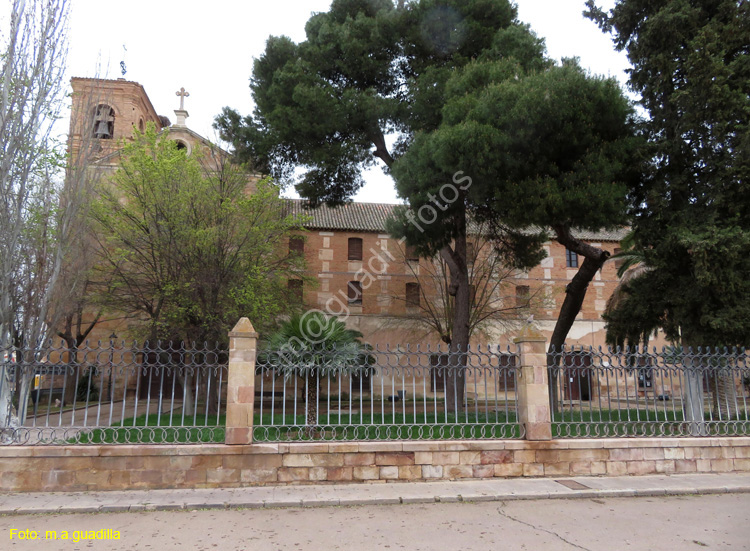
[
  {"x": 104, "y": 122},
  {"x": 141, "y": 125}
]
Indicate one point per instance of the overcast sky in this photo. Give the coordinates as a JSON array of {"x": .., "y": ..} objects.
[{"x": 208, "y": 48}]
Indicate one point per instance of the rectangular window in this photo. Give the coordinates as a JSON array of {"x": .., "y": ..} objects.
[
  {"x": 361, "y": 380},
  {"x": 354, "y": 292},
  {"x": 355, "y": 248},
  {"x": 438, "y": 371},
  {"x": 294, "y": 287},
  {"x": 571, "y": 258},
  {"x": 507, "y": 371},
  {"x": 296, "y": 245},
  {"x": 472, "y": 295},
  {"x": 618, "y": 261},
  {"x": 645, "y": 373},
  {"x": 412, "y": 295},
  {"x": 471, "y": 252},
  {"x": 522, "y": 296},
  {"x": 411, "y": 253}
]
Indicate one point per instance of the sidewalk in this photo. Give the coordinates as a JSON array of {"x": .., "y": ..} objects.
[{"x": 372, "y": 494}]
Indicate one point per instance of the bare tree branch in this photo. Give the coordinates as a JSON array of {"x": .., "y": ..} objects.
[{"x": 39, "y": 213}]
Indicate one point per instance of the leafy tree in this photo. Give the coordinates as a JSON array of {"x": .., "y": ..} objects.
[
  {"x": 692, "y": 211},
  {"x": 488, "y": 130},
  {"x": 551, "y": 149},
  {"x": 314, "y": 346},
  {"x": 369, "y": 69},
  {"x": 39, "y": 210},
  {"x": 185, "y": 249}
]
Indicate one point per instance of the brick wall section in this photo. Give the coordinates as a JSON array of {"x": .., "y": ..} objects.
[{"x": 81, "y": 468}]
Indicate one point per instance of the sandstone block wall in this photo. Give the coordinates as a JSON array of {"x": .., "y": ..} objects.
[{"x": 82, "y": 468}]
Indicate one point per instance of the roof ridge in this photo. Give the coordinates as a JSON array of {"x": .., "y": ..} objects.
[{"x": 299, "y": 200}]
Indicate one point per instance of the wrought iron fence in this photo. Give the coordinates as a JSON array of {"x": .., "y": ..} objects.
[
  {"x": 112, "y": 394},
  {"x": 410, "y": 393},
  {"x": 638, "y": 393}
]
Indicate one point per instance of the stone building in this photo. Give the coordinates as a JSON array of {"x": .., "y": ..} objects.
[
  {"x": 347, "y": 248},
  {"x": 354, "y": 268}
]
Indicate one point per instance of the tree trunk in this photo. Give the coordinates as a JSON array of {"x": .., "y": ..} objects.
[
  {"x": 187, "y": 380},
  {"x": 455, "y": 382},
  {"x": 212, "y": 391},
  {"x": 24, "y": 377},
  {"x": 575, "y": 292},
  {"x": 7, "y": 419},
  {"x": 692, "y": 390},
  {"x": 724, "y": 392},
  {"x": 311, "y": 404},
  {"x": 73, "y": 340},
  {"x": 72, "y": 375}
]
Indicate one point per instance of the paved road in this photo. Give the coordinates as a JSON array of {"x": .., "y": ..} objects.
[{"x": 713, "y": 522}]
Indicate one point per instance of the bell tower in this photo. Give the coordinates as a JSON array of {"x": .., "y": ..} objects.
[{"x": 104, "y": 112}]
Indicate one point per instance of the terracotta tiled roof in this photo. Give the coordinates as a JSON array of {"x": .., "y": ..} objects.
[
  {"x": 360, "y": 217},
  {"x": 602, "y": 235},
  {"x": 371, "y": 217}
]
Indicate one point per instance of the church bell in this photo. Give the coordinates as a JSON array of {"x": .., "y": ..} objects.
[{"x": 102, "y": 130}]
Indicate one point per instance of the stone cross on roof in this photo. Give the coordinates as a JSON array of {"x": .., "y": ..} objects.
[{"x": 183, "y": 94}]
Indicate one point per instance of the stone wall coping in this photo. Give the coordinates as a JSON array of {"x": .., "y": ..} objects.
[{"x": 364, "y": 447}]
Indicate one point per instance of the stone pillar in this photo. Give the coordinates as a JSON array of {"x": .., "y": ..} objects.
[
  {"x": 532, "y": 387},
  {"x": 241, "y": 383}
]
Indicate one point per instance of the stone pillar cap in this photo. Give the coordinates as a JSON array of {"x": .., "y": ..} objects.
[
  {"x": 529, "y": 333},
  {"x": 243, "y": 329}
]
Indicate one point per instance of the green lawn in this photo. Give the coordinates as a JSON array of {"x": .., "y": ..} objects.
[
  {"x": 389, "y": 427},
  {"x": 292, "y": 428},
  {"x": 152, "y": 429},
  {"x": 604, "y": 423},
  {"x": 635, "y": 422}
]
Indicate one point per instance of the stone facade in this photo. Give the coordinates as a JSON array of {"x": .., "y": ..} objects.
[{"x": 385, "y": 273}]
